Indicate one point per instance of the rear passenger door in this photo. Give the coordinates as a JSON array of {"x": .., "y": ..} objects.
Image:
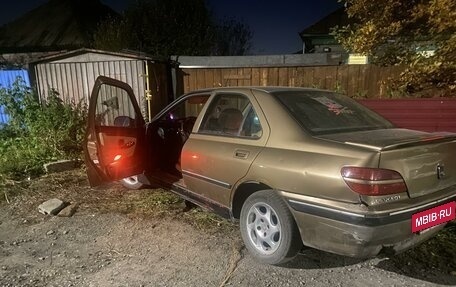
[{"x": 221, "y": 150}]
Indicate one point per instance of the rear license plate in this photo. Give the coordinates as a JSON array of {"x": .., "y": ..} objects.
[{"x": 433, "y": 216}]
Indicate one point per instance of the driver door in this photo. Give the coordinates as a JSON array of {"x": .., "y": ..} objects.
[{"x": 115, "y": 136}]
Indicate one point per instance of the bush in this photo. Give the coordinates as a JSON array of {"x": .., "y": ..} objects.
[{"x": 38, "y": 132}]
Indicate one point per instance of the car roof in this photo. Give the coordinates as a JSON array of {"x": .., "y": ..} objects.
[{"x": 267, "y": 89}]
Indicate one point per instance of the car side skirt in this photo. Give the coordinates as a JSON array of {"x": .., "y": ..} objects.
[
  {"x": 208, "y": 179},
  {"x": 205, "y": 203},
  {"x": 189, "y": 195}
]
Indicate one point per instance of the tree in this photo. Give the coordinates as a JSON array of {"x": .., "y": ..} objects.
[
  {"x": 172, "y": 27},
  {"x": 232, "y": 38},
  {"x": 418, "y": 34},
  {"x": 111, "y": 35}
]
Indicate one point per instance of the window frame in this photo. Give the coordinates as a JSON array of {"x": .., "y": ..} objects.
[{"x": 213, "y": 101}]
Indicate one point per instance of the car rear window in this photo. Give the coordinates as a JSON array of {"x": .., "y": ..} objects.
[{"x": 324, "y": 112}]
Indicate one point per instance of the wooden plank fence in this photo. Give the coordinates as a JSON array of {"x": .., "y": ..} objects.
[
  {"x": 364, "y": 82},
  {"x": 359, "y": 81}
]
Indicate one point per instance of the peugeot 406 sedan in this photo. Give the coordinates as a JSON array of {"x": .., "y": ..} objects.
[{"x": 295, "y": 166}]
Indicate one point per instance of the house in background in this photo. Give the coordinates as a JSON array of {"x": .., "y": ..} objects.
[
  {"x": 58, "y": 25},
  {"x": 317, "y": 38}
]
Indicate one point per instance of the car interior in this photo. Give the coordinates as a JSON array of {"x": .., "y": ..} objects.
[{"x": 168, "y": 134}]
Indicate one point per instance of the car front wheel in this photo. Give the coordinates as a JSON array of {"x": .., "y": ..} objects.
[{"x": 268, "y": 228}]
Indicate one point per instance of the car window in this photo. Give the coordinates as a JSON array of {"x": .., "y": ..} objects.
[
  {"x": 114, "y": 107},
  {"x": 231, "y": 115},
  {"x": 324, "y": 112},
  {"x": 188, "y": 108}
]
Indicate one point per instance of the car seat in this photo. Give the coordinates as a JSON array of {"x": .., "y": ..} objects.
[{"x": 230, "y": 121}]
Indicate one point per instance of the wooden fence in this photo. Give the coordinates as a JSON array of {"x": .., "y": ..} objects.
[{"x": 360, "y": 81}]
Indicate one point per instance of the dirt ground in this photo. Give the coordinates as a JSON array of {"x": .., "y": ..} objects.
[{"x": 144, "y": 238}]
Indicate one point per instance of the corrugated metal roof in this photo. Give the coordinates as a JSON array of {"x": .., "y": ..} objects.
[
  {"x": 430, "y": 115},
  {"x": 130, "y": 55},
  {"x": 7, "y": 78}
]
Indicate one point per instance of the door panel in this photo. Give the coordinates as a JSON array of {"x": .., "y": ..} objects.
[
  {"x": 211, "y": 168},
  {"x": 115, "y": 136},
  {"x": 228, "y": 140}
]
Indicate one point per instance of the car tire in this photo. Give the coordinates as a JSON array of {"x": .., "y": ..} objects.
[
  {"x": 132, "y": 182},
  {"x": 268, "y": 228}
]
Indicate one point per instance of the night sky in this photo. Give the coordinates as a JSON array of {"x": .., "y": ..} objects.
[{"x": 275, "y": 24}]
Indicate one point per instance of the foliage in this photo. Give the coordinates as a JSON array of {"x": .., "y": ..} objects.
[
  {"x": 37, "y": 132},
  {"x": 394, "y": 32},
  {"x": 232, "y": 38},
  {"x": 111, "y": 35},
  {"x": 172, "y": 27}
]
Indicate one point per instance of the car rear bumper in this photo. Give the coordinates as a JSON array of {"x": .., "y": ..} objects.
[{"x": 360, "y": 235}]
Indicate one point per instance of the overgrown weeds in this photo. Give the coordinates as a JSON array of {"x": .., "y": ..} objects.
[
  {"x": 72, "y": 186},
  {"x": 37, "y": 131},
  {"x": 159, "y": 203},
  {"x": 439, "y": 252}
]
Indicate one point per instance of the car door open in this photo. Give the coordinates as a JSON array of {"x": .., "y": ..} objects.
[{"x": 115, "y": 136}]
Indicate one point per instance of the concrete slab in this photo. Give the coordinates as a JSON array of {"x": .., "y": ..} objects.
[{"x": 52, "y": 206}]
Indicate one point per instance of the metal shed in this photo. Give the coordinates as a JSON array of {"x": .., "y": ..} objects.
[{"x": 73, "y": 74}]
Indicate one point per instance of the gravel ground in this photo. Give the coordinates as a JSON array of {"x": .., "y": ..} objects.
[{"x": 144, "y": 238}]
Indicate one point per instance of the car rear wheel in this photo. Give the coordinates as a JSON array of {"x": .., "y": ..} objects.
[
  {"x": 132, "y": 182},
  {"x": 268, "y": 228}
]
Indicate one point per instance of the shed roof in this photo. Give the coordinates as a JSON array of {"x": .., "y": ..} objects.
[{"x": 68, "y": 54}]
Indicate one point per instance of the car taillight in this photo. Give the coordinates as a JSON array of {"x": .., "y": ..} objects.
[{"x": 373, "y": 181}]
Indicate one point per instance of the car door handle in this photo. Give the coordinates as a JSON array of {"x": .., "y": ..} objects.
[{"x": 241, "y": 154}]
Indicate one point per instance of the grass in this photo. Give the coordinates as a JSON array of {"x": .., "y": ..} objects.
[
  {"x": 73, "y": 187},
  {"x": 143, "y": 203},
  {"x": 205, "y": 220},
  {"x": 10, "y": 189},
  {"x": 438, "y": 252},
  {"x": 159, "y": 204}
]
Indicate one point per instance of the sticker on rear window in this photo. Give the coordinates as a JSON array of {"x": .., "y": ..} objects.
[{"x": 333, "y": 106}]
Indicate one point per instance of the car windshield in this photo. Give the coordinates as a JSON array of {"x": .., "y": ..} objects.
[{"x": 324, "y": 112}]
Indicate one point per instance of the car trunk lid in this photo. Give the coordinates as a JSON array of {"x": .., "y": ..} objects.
[{"x": 426, "y": 161}]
